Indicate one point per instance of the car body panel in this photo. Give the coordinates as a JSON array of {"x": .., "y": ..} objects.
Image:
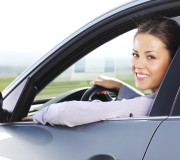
[
  {"x": 166, "y": 141},
  {"x": 78, "y": 143}
]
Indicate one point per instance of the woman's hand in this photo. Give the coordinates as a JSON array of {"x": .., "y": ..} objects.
[
  {"x": 29, "y": 118},
  {"x": 107, "y": 82}
]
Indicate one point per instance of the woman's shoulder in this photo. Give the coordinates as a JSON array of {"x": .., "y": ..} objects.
[{"x": 151, "y": 96}]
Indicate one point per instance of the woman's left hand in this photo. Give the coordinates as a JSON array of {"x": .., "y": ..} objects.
[{"x": 29, "y": 118}]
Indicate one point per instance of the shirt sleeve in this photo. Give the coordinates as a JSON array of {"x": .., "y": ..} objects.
[
  {"x": 74, "y": 113},
  {"x": 128, "y": 92}
]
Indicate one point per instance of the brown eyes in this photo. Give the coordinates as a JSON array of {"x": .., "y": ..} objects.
[
  {"x": 136, "y": 55},
  {"x": 151, "y": 57}
]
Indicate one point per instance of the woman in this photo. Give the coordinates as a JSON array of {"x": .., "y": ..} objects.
[{"x": 155, "y": 44}]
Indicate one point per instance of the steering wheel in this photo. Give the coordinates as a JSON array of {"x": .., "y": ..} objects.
[{"x": 87, "y": 96}]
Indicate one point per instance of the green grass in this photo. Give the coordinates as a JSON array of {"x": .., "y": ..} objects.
[
  {"x": 5, "y": 81},
  {"x": 56, "y": 88}
]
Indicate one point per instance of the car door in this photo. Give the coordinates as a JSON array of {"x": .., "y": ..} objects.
[
  {"x": 123, "y": 139},
  {"x": 114, "y": 138}
]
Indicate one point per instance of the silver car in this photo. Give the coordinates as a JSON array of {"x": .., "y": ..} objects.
[{"x": 77, "y": 60}]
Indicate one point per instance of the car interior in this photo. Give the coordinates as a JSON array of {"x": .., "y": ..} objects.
[{"x": 111, "y": 59}]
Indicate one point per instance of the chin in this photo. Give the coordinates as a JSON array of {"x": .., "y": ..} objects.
[{"x": 141, "y": 87}]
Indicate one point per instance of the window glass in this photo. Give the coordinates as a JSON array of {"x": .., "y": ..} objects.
[
  {"x": 111, "y": 59},
  {"x": 79, "y": 67},
  {"x": 109, "y": 64}
]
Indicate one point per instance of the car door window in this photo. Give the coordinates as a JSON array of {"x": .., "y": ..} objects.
[
  {"x": 176, "y": 104},
  {"x": 111, "y": 59}
]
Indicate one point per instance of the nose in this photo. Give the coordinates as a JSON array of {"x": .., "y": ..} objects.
[{"x": 140, "y": 63}]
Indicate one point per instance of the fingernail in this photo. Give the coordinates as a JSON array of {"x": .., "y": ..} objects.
[{"x": 92, "y": 82}]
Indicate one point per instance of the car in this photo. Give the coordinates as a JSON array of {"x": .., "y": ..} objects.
[{"x": 152, "y": 137}]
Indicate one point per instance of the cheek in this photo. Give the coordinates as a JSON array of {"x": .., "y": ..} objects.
[
  {"x": 160, "y": 68},
  {"x": 165, "y": 67}
]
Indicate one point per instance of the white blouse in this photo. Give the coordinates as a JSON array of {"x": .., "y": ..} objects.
[{"x": 74, "y": 113}]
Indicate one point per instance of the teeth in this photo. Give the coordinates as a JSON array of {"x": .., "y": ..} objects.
[{"x": 142, "y": 76}]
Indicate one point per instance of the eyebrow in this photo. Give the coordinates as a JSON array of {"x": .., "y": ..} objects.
[{"x": 146, "y": 51}]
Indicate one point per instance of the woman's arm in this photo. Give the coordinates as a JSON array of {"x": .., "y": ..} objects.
[{"x": 76, "y": 113}]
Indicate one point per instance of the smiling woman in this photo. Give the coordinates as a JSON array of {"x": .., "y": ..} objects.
[
  {"x": 155, "y": 44},
  {"x": 150, "y": 59}
]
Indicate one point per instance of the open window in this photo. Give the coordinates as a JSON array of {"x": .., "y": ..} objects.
[{"x": 111, "y": 59}]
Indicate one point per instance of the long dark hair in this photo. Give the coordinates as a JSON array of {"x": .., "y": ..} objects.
[{"x": 167, "y": 30}]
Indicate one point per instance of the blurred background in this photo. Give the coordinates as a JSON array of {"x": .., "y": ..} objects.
[{"x": 29, "y": 29}]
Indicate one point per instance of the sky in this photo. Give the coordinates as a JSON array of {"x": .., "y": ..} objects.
[{"x": 30, "y": 28}]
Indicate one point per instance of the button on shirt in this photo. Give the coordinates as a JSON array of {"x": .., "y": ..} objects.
[{"x": 74, "y": 113}]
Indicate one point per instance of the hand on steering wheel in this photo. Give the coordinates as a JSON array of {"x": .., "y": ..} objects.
[
  {"x": 87, "y": 96},
  {"x": 107, "y": 82}
]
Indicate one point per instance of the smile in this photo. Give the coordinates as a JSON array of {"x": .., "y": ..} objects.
[{"x": 142, "y": 76}]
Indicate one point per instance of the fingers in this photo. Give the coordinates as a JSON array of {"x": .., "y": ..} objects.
[
  {"x": 103, "y": 92},
  {"x": 92, "y": 83},
  {"x": 107, "y": 82},
  {"x": 98, "y": 81},
  {"x": 29, "y": 118},
  {"x": 100, "y": 77}
]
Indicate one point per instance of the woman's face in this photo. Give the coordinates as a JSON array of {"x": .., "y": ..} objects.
[{"x": 150, "y": 61}]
